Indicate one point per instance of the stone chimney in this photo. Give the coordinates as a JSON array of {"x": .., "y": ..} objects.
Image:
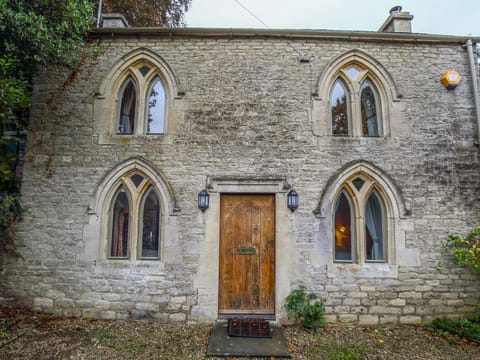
[
  {"x": 398, "y": 21},
  {"x": 114, "y": 20}
]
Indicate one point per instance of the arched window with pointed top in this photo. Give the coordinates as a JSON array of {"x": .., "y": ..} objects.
[
  {"x": 354, "y": 97},
  {"x": 374, "y": 227},
  {"x": 343, "y": 228},
  {"x": 340, "y": 108},
  {"x": 355, "y": 103},
  {"x": 120, "y": 225},
  {"x": 150, "y": 225},
  {"x": 156, "y": 107},
  {"x": 135, "y": 224},
  {"x": 370, "y": 109},
  {"x": 360, "y": 225},
  {"x": 138, "y": 97},
  {"x": 128, "y": 107}
]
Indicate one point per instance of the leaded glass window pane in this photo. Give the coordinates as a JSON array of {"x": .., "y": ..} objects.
[
  {"x": 120, "y": 225},
  {"x": 144, "y": 70},
  {"x": 126, "y": 121},
  {"x": 358, "y": 182},
  {"x": 137, "y": 179},
  {"x": 339, "y": 106},
  {"x": 150, "y": 225},
  {"x": 156, "y": 108},
  {"x": 343, "y": 229},
  {"x": 353, "y": 72},
  {"x": 374, "y": 228},
  {"x": 369, "y": 109}
]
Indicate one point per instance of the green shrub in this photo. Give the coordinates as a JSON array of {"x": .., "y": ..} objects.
[
  {"x": 466, "y": 328},
  {"x": 301, "y": 306},
  {"x": 465, "y": 251}
]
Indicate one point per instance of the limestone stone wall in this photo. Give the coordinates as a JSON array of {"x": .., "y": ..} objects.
[{"x": 248, "y": 108}]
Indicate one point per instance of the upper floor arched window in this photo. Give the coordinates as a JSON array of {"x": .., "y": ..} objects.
[
  {"x": 156, "y": 107},
  {"x": 340, "y": 108},
  {"x": 142, "y": 89},
  {"x": 139, "y": 97},
  {"x": 355, "y": 104},
  {"x": 355, "y": 97},
  {"x": 128, "y": 107}
]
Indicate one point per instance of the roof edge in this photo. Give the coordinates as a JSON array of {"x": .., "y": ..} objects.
[{"x": 281, "y": 33}]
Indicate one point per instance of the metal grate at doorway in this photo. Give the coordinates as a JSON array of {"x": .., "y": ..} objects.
[{"x": 253, "y": 328}]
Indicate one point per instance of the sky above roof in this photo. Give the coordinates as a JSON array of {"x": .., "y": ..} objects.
[{"x": 446, "y": 17}]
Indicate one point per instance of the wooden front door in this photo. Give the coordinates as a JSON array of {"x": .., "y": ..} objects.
[{"x": 247, "y": 254}]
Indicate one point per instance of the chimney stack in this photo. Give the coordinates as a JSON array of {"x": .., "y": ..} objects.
[
  {"x": 114, "y": 20},
  {"x": 398, "y": 21}
]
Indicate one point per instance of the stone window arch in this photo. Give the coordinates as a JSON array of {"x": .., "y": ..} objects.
[
  {"x": 362, "y": 210},
  {"x": 139, "y": 98},
  {"x": 134, "y": 218},
  {"x": 360, "y": 221},
  {"x": 354, "y": 97},
  {"x": 142, "y": 101},
  {"x": 132, "y": 206}
]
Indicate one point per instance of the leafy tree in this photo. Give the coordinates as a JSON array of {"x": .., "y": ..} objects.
[
  {"x": 36, "y": 32},
  {"x": 32, "y": 33},
  {"x": 166, "y": 13}
]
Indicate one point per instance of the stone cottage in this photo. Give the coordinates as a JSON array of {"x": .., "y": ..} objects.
[{"x": 198, "y": 174}]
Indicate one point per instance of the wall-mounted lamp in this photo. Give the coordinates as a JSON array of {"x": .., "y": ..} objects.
[
  {"x": 203, "y": 200},
  {"x": 450, "y": 79},
  {"x": 292, "y": 200}
]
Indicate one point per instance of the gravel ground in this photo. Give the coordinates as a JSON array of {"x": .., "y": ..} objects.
[{"x": 30, "y": 335}]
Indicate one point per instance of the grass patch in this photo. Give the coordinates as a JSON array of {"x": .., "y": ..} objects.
[
  {"x": 4, "y": 333},
  {"x": 104, "y": 336},
  {"x": 338, "y": 352},
  {"x": 346, "y": 353},
  {"x": 4, "y": 329}
]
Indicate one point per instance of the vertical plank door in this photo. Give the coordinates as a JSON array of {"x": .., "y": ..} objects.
[{"x": 247, "y": 254}]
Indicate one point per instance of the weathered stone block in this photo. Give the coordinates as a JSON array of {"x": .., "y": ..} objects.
[
  {"x": 177, "y": 317},
  {"x": 42, "y": 304},
  {"x": 368, "y": 320},
  {"x": 410, "y": 319}
]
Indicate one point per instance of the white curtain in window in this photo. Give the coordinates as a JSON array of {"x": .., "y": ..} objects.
[{"x": 373, "y": 222}]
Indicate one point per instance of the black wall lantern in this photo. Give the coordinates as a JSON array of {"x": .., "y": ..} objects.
[
  {"x": 203, "y": 200},
  {"x": 292, "y": 200}
]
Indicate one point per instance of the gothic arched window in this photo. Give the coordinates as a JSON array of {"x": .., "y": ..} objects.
[
  {"x": 360, "y": 222},
  {"x": 150, "y": 224},
  {"x": 343, "y": 228},
  {"x": 339, "y": 104},
  {"x": 128, "y": 108},
  {"x": 355, "y": 105},
  {"x": 120, "y": 224},
  {"x": 135, "y": 222},
  {"x": 156, "y": 106},
  {"x": 142, "y": 101},
  {"x": 369, "y": 105}
]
